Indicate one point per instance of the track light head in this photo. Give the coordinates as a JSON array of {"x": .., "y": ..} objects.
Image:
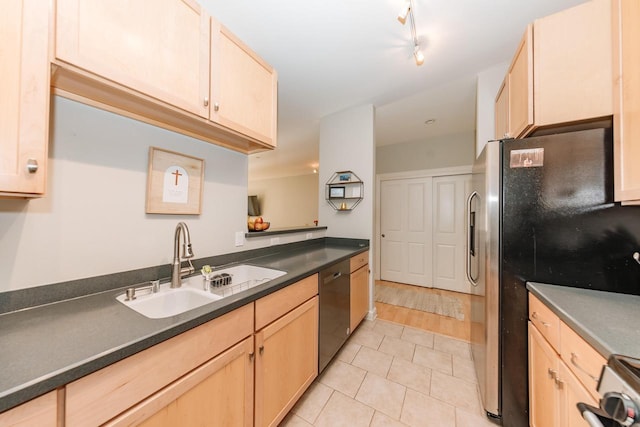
[
  {"x": 418, "y": 55},
  {"x": 404, "y": 12}
]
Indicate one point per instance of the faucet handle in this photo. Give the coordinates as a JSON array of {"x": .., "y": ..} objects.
[{"x": 155, "y": 286}]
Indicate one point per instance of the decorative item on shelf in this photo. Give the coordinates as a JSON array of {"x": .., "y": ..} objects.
[
  {"x": 344, "y": 191},
  {"x": 257, "y": 224}
]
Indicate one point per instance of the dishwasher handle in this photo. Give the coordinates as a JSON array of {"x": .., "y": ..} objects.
[{"x": 332, "y": 277}]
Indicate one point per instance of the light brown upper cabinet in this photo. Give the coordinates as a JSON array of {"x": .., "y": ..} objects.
[
  {"x": 24, "y": 99},
  {"x": 518, "y": 88},
  {"x": 626, "y": 102},
  {"x": 560, "y": 73},
  {"x": 244, "y": 88},
  {"x": 572, "y": 64},
  {"x": 154, "y": 64},
  {"x": 161, "y": 50},
  {"x": 502, "y": 111}
]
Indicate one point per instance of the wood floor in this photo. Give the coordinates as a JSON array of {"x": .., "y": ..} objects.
[{"x": 428, "y": 321}]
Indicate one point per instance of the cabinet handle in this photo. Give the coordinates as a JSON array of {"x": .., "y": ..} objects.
[
  {"x": 206, "y": 101},
  {"x": 535, "y": 316},
  {"x": 559, "y": 382},
  {"x": 251, "y": 355},
  {"x": 552, "y": 374},
  {"x": 216, "y": 107},
  {"x": 574, "y": 362},
  {"x": 32, "y": 166},
  {"x": 261, "y": 349}
]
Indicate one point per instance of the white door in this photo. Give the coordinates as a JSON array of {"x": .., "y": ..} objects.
[
  {"x": 449, "y": 232},
  {"x": 405, "y": 226}
]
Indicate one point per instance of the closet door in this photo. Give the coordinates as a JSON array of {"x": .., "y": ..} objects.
[
  {"x": 405, "y": 226},
  {"x": 449, "y": 232}
]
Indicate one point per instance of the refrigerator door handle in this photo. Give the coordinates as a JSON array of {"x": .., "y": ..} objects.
[{"x": 471, "y": 240}]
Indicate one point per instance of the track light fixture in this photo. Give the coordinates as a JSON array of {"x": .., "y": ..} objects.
[
  {"x": 402, "y": 16},
  {"x": 407, "y": 12},
  {"x": 418, "y": 55}
]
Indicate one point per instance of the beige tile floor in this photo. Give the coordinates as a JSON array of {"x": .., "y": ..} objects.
[{"x": 388, "y": 374}]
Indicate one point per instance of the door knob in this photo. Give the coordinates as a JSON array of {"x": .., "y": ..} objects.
[{"x": 383, "y": 235}]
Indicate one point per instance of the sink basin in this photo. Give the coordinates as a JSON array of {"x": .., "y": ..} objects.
[
  {"x": 169, "y": 302},
  {"x": 243, "y": 277}
]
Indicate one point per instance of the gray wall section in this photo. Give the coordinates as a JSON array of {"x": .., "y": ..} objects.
[{"x": 439, "y": 152}]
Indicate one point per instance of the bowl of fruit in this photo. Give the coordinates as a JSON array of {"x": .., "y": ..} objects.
[{"x": 257, "y": 224}]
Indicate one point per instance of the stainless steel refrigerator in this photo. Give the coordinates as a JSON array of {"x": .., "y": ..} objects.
[{"x": 541, "y": 209}]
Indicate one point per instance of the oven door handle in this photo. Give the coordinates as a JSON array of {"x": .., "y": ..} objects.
[{"x": 590, "y": 414}]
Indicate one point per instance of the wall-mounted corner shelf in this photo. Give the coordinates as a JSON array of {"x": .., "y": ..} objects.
[{"x": 344, "y": 191}]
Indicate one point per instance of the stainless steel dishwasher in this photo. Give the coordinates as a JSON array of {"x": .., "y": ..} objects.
[{"x": 335, "y": 297}]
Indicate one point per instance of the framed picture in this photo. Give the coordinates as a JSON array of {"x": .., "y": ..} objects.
[
  {"x": 344, "y": 177},
  {"x": 174, "y": 183},
  {"x": 336, "y": 192}
]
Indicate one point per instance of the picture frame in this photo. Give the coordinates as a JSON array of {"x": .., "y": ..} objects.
[
  {"x": 174, "y": 183},
  {"x": 344, "y": 177},
  {"x": 336, "y": 192}
]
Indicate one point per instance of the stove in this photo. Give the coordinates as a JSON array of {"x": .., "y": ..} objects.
[{"x": 619, "y": 388}]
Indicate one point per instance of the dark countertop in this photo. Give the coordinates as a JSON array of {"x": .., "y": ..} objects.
[
  {"x": 48, "y": 346},
  {"x": 610, "y": 322}
]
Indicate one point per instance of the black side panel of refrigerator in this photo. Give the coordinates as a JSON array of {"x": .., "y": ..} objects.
[{"x": 560, "y": 226}]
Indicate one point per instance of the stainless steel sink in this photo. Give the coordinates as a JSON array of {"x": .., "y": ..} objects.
[{"x": 172, "y": 301}]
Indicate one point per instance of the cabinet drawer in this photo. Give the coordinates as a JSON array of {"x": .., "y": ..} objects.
[
  {"x": 100, "y": 396},
  {"x": 582, "y": 359},
  {"x": 41, "y": 411},
  {"x": 546, "y": 321},
  {"x": 359, "y": 260},
  {"x": 277, "y": 304}
]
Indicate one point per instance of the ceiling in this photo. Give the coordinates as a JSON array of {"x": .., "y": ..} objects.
[{"x": 335, "y": 54}]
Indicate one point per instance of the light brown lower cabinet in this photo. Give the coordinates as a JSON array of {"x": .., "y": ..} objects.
[
  {"x": 219, "y": 393},
  {"x": 41, "y": 411},
  {"x": 554, "y": 390},
  {"x": 359, "y": 296},
  {"x": 112, "y": 391},
  {"x": 286, "y": 362}
]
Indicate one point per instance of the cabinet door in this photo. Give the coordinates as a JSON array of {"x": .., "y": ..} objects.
[
  {"x": 572, "y": 392},
  {"x": 520, "y": 84},
  {"x": 41, "y": 411},
  {"x": 286, "y": 362},
  {"x": 626, "y": 101},
  {"x": 502, "y": 112},
  {"x": 219, "y": 393},
  {"x": 572, "y": 57},
  {"x": 543, "y": 369},
  {"x": 359, "y": 296},
  {"x": 160, "y": 49},
  {"x": 243, "y": 87},
  {"x": 24, "y": 99}
]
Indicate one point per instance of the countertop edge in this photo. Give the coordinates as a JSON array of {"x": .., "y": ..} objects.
[{"x": 590, "y": 336}]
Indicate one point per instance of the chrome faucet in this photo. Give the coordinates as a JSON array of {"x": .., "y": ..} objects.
[{"x": 177, "y": 271}]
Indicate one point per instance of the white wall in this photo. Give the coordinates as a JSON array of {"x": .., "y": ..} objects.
[
  {"x": 93, "y": 220},
  {"x": 489, "y": 82},
  {"x": 439, "y": 152},
  {"x": 347, "y": 142},
  {"x": 287, "y": 202}
]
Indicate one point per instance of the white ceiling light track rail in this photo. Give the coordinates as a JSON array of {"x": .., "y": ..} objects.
[{"x": 407, "y": 12}]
